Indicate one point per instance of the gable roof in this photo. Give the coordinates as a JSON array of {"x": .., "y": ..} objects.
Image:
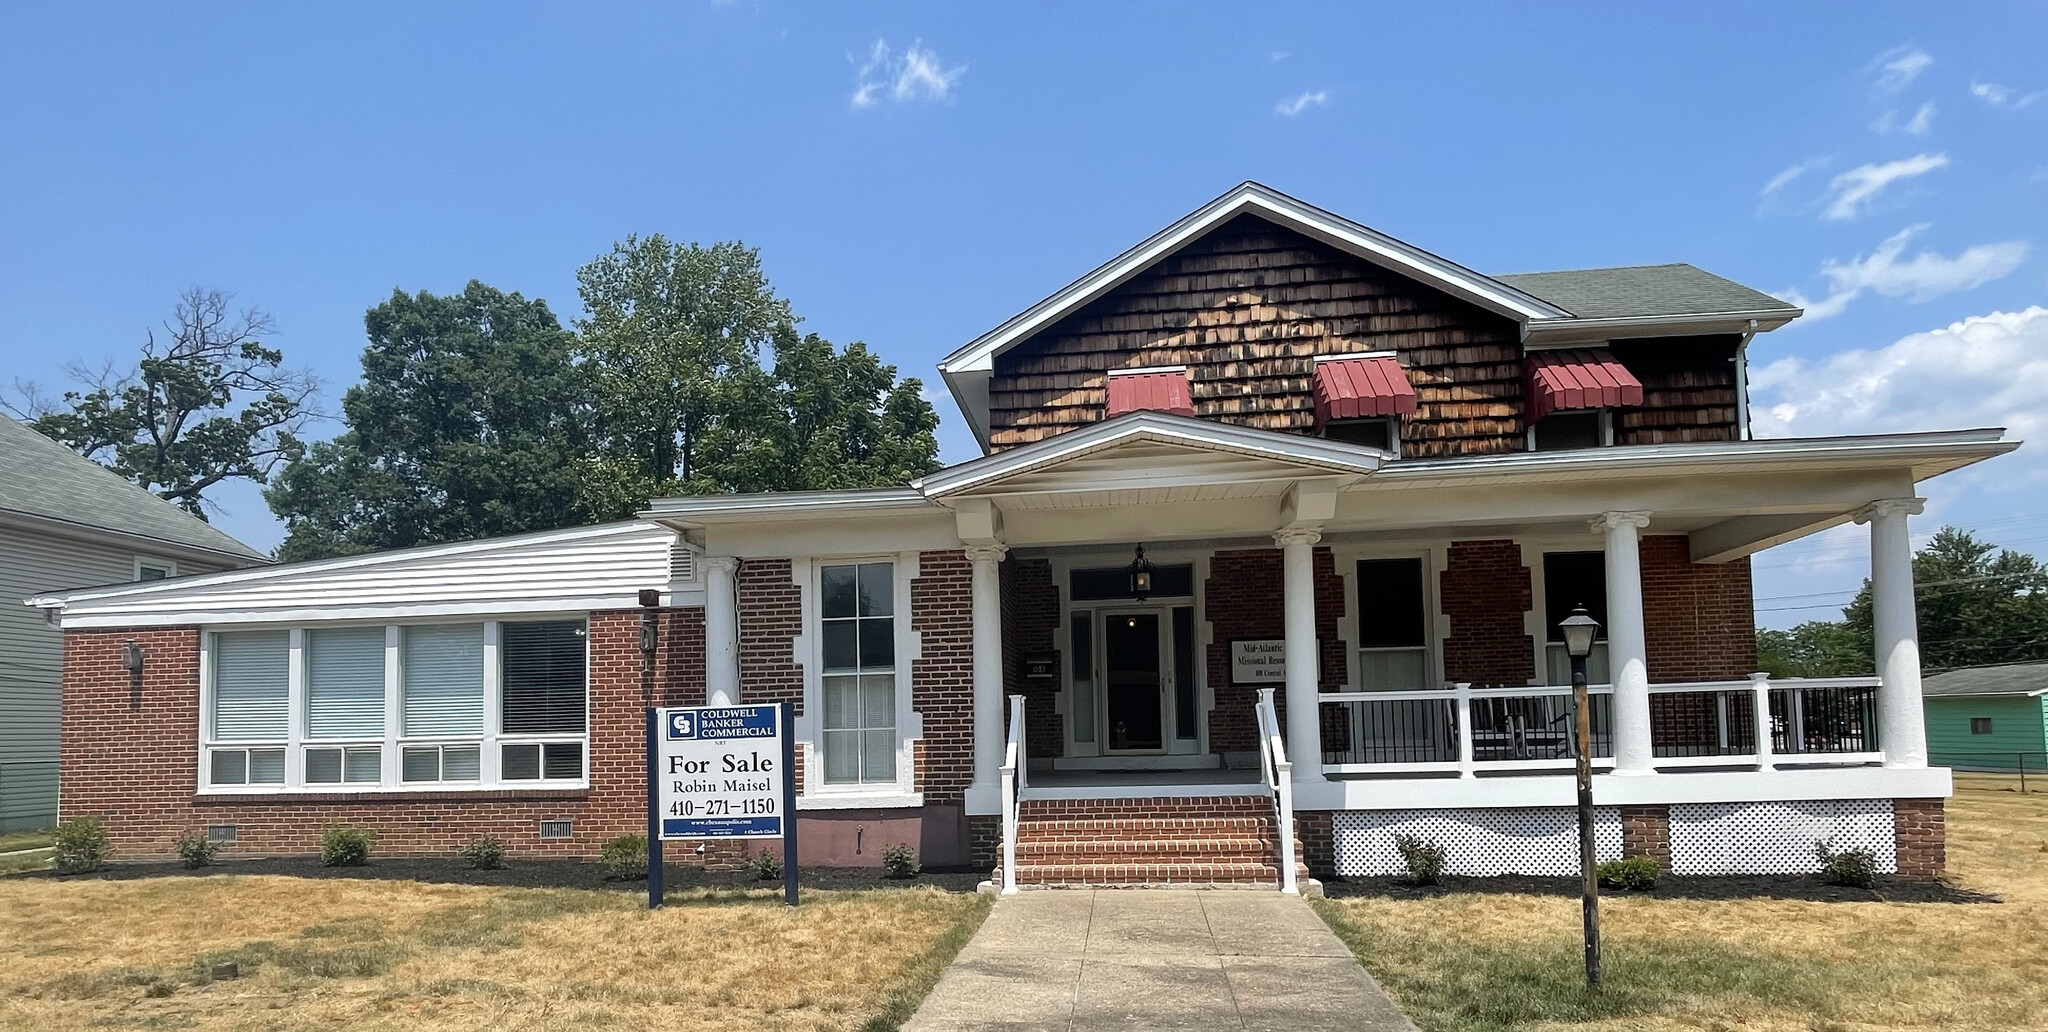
[
  {"x": 46, "y": 482},
  {"x": 1646, "y": 291},
  {"x": 2005, "y": 679}
]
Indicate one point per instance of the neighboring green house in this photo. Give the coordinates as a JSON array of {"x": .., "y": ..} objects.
[
  {"x": 68, "y": 522},
  {"x": 1988, "y": 718}
]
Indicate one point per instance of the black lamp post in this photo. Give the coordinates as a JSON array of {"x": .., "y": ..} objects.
[
  {"x": 1141, "y": 575},
  {"x": 1579, "y": 629}
]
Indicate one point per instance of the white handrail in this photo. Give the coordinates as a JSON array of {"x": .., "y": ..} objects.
[
  {"x": 1279, "y": 775},
  {"x": 1012, "y": 771}
]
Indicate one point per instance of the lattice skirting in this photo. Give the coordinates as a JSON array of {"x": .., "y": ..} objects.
[
  {"x": 1777, "y": 838},
  {"x": 1479, "y": 842}
]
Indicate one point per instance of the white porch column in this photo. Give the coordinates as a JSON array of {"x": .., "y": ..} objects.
[
  {"x": 1901, "y": 728},
  {"x": 721, "y": 631},
  {"x": 1304, "y": 729},
  {"x": 989, "y": 736},
  {"x": 1628, "y": 661}
]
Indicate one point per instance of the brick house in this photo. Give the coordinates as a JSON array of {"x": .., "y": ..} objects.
[{"x": 1362, "y": 485}]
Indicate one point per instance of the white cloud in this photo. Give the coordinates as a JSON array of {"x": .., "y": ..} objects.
[
  {"x": 1987, "y": 370},
  {"x": 1899, "y": 66},
  {"x": 1851, "y": 193},
  {"x": 1918, "y": 125},
  {"x": 1278, "y": 56},
  {"x": 917, "y": 74},
  {"x": 2000, "y": 96},
  {"x": 1297, "y": 105},
  {"x": 1785, "y": 178},
  {"x": 1922, "y": 277}
]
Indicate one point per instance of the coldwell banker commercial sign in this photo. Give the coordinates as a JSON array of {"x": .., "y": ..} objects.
[{"x": 722, "y": 772}]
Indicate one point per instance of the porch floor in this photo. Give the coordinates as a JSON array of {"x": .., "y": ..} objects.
[{"x": 1140, "y": 784}]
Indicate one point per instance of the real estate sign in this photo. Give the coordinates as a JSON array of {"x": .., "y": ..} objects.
[{"x": 722, "y": 772}]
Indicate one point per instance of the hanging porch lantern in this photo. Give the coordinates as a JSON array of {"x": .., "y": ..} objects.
[{"x": 1141, "y": 575}]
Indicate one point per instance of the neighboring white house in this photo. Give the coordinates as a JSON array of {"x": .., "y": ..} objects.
[{"x": 67, "y": 522}]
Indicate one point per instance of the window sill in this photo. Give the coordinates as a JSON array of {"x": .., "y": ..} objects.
[
  {"x": 437, "y": 794},
  {"x": 860, "y": 801}
]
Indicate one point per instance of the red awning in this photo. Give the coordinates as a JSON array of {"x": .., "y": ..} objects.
[
  {"x": 1578, "y": 378},
  {"x": 1360, "y": 388},
  {"x": 1165, "y": 391}
]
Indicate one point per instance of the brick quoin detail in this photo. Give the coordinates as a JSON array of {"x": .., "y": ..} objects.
[
  {"x": 1244, "y": 598},
  {"x": 1031, "y": 615},
  {"x": 1920, "y": 832},
  {"x": 942, "y": 679},
  {"x": 129, "y": 748},
  {"x": 1646, "y": 831},
  {"x": 1699, "y": 620},
  {"x": 1485, "y": 590}
]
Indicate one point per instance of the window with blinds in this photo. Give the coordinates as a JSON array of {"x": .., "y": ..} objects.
[
  {"x": 543, "y": 677},
  {"x": 441, "y": 682},
  {"x": 251, "y": 677},
  {"x": 345, "y": 682},
  {"x": 858, "y": 624}
]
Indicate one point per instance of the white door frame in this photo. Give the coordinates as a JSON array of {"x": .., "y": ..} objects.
[{"x": 1162, "y": 617}]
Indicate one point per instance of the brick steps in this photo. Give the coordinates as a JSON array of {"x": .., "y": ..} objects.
[
  {"x": 1228, "y": 841},
  {"x": 1117, "y": 873}
]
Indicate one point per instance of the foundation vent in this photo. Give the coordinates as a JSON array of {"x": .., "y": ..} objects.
[{"x": 557, "y": 829}]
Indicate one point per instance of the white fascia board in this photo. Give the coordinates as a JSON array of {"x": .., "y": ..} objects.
[
  {"x": 1270, "y": 204},
  {"x": 1571, "y": 332},
  {"x": 1155, "y": 427},
  {"x": 1925, "y": 455},
  {"x": 701, "y": 510},
  {"x": 469, "y": 609},
  {"x": 176, "y": 585}
]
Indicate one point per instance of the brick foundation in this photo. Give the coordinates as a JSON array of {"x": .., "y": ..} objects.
[
  {"x": 1646, "y": 831},
  {"x": 1920, "y": 828},
  {"x": 1315, "y": 830}
]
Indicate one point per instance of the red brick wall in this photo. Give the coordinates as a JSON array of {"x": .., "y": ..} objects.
[
  {"x": 1244, "y": 599},
  {"x": 1920, "y": 834},
  {"x": 1031, "y": 615},
  {"x": 1699, "y": 623},
  {"x": 942, "y": 611},
  {"x": 1646, "y": 831},
  {"x": 771, "y": 618},
  {"x": 1485, "y": 590}
]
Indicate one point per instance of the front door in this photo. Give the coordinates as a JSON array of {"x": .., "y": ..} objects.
[{"x": 1135, "y": 683}]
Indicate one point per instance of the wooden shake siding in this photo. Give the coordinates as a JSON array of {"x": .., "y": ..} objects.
[
  {"x": 1688, "y": 390},
  {"x": 1247, "y": 308}
]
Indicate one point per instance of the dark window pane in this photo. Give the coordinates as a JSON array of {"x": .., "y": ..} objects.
[
  {"x": 836, "y": 586},
  {"x": 877, "y": 644},
  {"x": 1574, "y": 579},
  {"x": 840, "y": 638},
  {"x": 1184, "y": 672},
  {"x": 1168, "y": 581},
  {"x": 543, "y": 666},
  {"x": 877, "y": 589},
  {"x": 562, "y": 761},
  {"x": 1390, "y": 609},
  {"x": 1561, "y": 431},
  {"x": 1373, "y": 433},
  {"x": 520, "y": 762}
]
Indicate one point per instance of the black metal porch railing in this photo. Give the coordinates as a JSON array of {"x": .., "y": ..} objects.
[{"x": 1823, "y": 719}]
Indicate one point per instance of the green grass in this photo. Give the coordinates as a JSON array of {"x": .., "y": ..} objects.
[
  {"x": 916, "y": 983},
  {"x": 1450, "y": 985},
  {"x": 31, "y": 861},
  {"x": 13, "y": 840}
]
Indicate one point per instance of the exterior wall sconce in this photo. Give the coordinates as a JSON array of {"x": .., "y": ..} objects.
[
  {"x": 1141, "y": 575},
  {"x": 649, "y": 599},
  {"x": 131, "y": 657}
]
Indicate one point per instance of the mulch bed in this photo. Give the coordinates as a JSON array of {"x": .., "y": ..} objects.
[
  {"x": 1732, "y": 887},
  {"x": 538, "y": 874}
]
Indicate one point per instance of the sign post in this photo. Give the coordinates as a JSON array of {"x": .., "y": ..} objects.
[{"x": 721, "y": 772}]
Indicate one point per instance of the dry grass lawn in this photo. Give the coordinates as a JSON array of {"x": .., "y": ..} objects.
[
  {"x": 1469, "y": 962},
  {"x": 337, "y": 953}
]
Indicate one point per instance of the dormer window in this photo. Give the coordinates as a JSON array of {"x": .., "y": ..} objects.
[
  {"x": 1382, "y": 432},
  {"x": 1569, "y": 394},
  {"x": 1361, "y": 398},
  {"x": 1564, "y": 431}
]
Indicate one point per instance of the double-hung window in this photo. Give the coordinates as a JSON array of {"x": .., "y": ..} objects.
[
  {"x": 543, "y": 703},
  {"x": 441, "y": 703},
  {"x": 344, "y": 706},
  {"x": 1573, "y": 579},
  {"x": 1393, "y": 626},
  {"x": 858, "y": 627},
  {"x": 248, "y": 726}
]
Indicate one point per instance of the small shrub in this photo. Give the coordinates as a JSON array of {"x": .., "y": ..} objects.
[
  {"x": 1856, "y": 868},
  {"x": 625, "y": 858},
  {"x": 900, "y": 861},
  {"x": 1635, "y": 874},
  {"x": 485, "y": 854},
  {"x": 343, "y": 846},
  {"x": 81, "y": 845},
  {"x": 765, "y": 866},
  {"x": 1424, "y": 859},
  {"x": 195, "y": 850}
]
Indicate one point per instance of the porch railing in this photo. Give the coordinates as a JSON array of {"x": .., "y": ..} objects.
[
  {"x": 1471, "y": 730},
  {"x": 1014, "y": 777},
  {"x": 1279, "y": 774}
]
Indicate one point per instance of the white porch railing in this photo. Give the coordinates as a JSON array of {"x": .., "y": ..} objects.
[
  {"x": 1279, "y": 775},
  {"x": 1468, "y": 731},
  {"x": 1014, "y": 777}
]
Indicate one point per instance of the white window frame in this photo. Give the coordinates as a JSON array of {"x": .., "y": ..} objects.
[
  {"x": 1435, "y": 625},
  {"x": 142, "y": 562},
  {"x": 1537, "y": 623},
  {"x": 391, "y": 780},
  {"x": 1606, "y": 428},
  {"x": 806, "y": 573}
]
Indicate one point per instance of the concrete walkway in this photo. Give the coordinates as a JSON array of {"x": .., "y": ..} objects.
[{"x": 1143, "y": 959}]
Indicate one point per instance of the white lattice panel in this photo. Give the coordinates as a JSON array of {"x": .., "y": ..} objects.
[
  {"x": 1777, "y": 838},
  {"x": 1476, "y": 841}
]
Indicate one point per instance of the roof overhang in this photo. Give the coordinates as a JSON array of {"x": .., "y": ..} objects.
[
  {"x": 1567, "y": 331},
  {"x": 968, "y": 369},
  {"x": 697, "y": 511},
  {"x": 139, "y": 542}
]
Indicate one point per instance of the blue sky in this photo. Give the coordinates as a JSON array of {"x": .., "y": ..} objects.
[{"x": 914, "y": 174}]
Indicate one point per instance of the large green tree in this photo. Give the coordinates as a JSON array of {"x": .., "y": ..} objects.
[
  {"x": 1977, "y": 603},
  {"x": 209, "y": 401},
  {"x": 470, "y": 421}
]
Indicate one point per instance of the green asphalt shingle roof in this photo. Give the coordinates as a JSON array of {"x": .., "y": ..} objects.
[
  {"x": 1640, "y": 291},
  {"x": 2007, "y": 679},
  {"x": 41, "y": 478}
]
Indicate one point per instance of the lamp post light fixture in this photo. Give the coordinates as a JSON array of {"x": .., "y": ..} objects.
[
  {"x": 1579, "y": 629},
  {"x": 1141, "y": 575}
]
